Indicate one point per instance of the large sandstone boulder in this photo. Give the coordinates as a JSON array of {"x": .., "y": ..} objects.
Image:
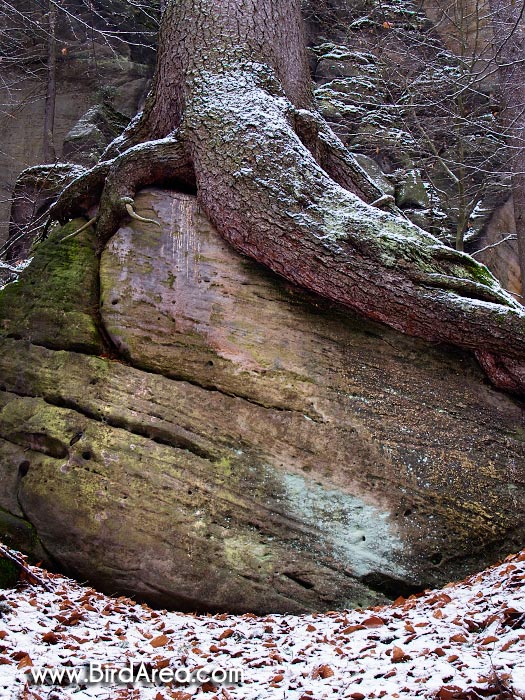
[{"x": 209, "y": 437}]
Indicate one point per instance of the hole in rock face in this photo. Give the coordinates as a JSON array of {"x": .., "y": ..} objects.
[
  {"x": 171, "y": 183},
  {"x": 41, "y": 442},
  {"x": 436, "y": 558},
  {"x": 23, "y": 468},
  {"x": 86, "y": 455},
  {"x": 210, "y": 363}
]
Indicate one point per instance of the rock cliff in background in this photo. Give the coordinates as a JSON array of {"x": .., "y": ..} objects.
[
  {"x": 90, "y": 69},
  {"x": 500, "y": 248},
  {"x": 185, "y": 427}
]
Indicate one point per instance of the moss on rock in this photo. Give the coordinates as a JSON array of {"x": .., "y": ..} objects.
[
  {"x": 8, "y": 574},
  {"x": 55, "y": 300},
  {"x": 17, "y": 533}
]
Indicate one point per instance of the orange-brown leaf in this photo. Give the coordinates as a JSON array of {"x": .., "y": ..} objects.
[
  {"x": 25, "y": 662},
  {"x": 159, "y": 641},
  {"x": 458, "y": 638},
  {"x": 323, "y": 671},
  {"x": 374, "y": 621},
  {"x": 352, "y": 628},
  {"x": 398, "y": 655},
  {"x": 50, "y": 638}
]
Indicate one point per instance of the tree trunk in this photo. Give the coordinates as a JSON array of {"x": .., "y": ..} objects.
[
  {"x": 49, "y": 109},
  {"x": 230, "y": 113},
  {"x": 508, "y": 22}
]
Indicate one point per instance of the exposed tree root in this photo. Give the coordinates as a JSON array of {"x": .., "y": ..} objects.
[
  {"x": 128, "y": 202},
  {"x": 113, "y": 184},
  {"x": 79, "y": 230},
  {"x": 281, "y": 188}
]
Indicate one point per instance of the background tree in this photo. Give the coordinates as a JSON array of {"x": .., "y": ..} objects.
[
  {"x": 49, "y": 109},
  {"x": 45, "y": 49}
]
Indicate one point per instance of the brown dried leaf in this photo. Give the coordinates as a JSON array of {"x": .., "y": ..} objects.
[
  {"x": 323, "y": 671},
  {"x": 352, "y": 628},
  {"x": 374, "y": 621},
  {"x": 25, "y": 662},
  {"x": 448, "y": 692},
  {"x": 50, "y": 638},
  {"x": 398, "y": 655},
  {"x": 460, "y": 638},
  {"x": 159, "y": 641}
]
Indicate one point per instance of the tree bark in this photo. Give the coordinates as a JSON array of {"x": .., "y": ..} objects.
[
  {"x": 49, "y": 109},
  {"x": 231, "y": 103}
]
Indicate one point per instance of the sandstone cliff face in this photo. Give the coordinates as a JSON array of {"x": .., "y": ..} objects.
[
  {"x": 183, "y": 426},
  {"x": 500, "y": 252}
]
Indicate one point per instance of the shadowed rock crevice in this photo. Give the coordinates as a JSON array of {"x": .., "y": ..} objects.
[{"x": 55, "y": 448}]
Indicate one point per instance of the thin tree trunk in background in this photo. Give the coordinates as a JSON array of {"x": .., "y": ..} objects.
[
  {"x": 509, "y": 44},
  {"x": 49, "y": 110}
]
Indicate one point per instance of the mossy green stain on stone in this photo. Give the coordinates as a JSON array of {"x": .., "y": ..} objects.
[
  {"x": 8, "y": 574},
  {"x": 55, "y": 300},
  {"x": 245, "y": 553},
  {"x": 16, "y": 532}
]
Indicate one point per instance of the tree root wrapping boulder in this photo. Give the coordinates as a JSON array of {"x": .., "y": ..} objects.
[
  {"x": 181, "y": 425},
  {"x": 230, "y": 116}
]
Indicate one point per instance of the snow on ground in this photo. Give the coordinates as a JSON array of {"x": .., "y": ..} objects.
[{"x": 463, "y": 642}]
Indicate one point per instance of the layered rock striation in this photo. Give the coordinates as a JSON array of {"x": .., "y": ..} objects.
[{"x": 178, "y": 424}]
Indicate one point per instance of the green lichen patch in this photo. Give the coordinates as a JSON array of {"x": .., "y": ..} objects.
[
  {"x": 55, "y": 300},
  {"x": 8, "y": 574},
  {"x": 17, "y": 533}
]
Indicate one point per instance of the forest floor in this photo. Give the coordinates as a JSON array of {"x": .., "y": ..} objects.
[{"x": 463, "y": 642}]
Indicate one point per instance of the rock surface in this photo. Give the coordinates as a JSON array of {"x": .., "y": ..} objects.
[
  {"x": 82, "y": 73},
  {"x": 500, "y": 248},
  {"x": 211, "y": 438}
]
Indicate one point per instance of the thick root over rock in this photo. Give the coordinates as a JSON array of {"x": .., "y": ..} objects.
[
  {"x": 267, "y": 195},
  {"x": 257, "y": 163},
  {"x": 112, "y": 184}
]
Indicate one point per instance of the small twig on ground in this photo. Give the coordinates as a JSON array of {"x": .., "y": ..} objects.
[{"x": 16, "y": 559}]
